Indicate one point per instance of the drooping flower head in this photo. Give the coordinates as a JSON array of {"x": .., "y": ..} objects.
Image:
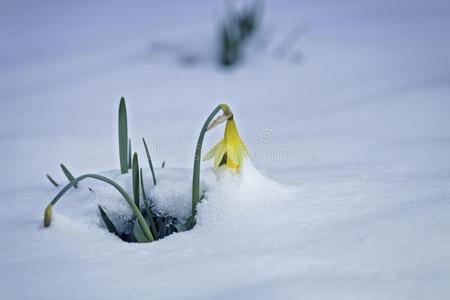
[{"x": 231, "y": 150}]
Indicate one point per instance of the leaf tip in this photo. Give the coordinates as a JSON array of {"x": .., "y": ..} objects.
[{"x": 48, "y": 215}]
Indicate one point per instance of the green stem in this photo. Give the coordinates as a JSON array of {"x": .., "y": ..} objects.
[
  {"x": 143, "y": 224},
  {"x": 197, "y": 161}
]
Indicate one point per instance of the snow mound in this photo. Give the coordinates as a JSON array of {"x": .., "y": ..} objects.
[
  {"x": 235, "y": 198},
  {"x": 247, "y": 199},
  {"x": 172, "y": 193}
]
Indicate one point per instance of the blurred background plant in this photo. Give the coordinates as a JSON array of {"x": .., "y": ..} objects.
[
  {"x": 239, "y": 36},
  {"x": 238, "y": 26}
]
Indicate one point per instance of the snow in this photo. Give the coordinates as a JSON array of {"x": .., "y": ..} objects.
[
  {"x": 172, "y": 194},
  {"x": 346, "y": 195}
]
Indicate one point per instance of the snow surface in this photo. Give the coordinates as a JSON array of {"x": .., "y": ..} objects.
[{"x": 347, "y": 195}]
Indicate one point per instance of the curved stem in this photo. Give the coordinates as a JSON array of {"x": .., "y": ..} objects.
[
  {"x": 143, "y": 224},
  {"x": 197, "y": 160}
]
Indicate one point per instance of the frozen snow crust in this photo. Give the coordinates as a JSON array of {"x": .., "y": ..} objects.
[
  {"x": 255, "y": 238},
  {"x": 235, "y": 196}
]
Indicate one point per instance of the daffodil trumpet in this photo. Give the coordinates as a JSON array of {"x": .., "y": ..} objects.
[
  {"x": 231, "y": 150},
  {"x": 140, "y": 217}
]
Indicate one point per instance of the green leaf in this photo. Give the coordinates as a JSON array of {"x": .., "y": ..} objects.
[
  {"x": 135, "y": 177},
  {"x": 123, "y": 137},
  {"x": 52, "y": 180},
  {"x": 149, "y": 161},
  {"x": 142, "y": 185},
  {"x": 139, "y": 234},
  {"x": 109, "y": 224},
  {"x": 129, "y": 154},
  {"x": 147, "y": 206},
  {"x": 68, "y": 175},
  {"x": 180, "y": 227}
]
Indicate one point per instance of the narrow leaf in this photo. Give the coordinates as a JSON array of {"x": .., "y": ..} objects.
[
  {"x": 109, "y": 224},
  {"x": 180, "y": 227},
  {"x": 68, "y": 175},
  {"x": 142, "y": 185},
  {"x": 147, "y": 206},
  {"x": 139, "y": 234},
  {"x": 135, "y": 177},
  {"x": 123, "y": 136},
  {"x": 52, "y": 180},
  {"x": 149, "y": 161},
  {"x": 129, "y": 154}
]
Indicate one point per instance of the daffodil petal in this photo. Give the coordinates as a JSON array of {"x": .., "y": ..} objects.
[
  {"x": 232, "y": 165},
  {"x": 245, "y": 149},
  {"x": 219, "y": 154},
  {"x": 211, "y": 152},
  {"x": 233, "y": 155}
]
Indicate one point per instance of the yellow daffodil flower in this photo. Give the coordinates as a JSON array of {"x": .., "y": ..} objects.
[{"x": 231, "y": 150}]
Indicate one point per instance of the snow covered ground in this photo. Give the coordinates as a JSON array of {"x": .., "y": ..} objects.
[{"x": 348, "y": 192}]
